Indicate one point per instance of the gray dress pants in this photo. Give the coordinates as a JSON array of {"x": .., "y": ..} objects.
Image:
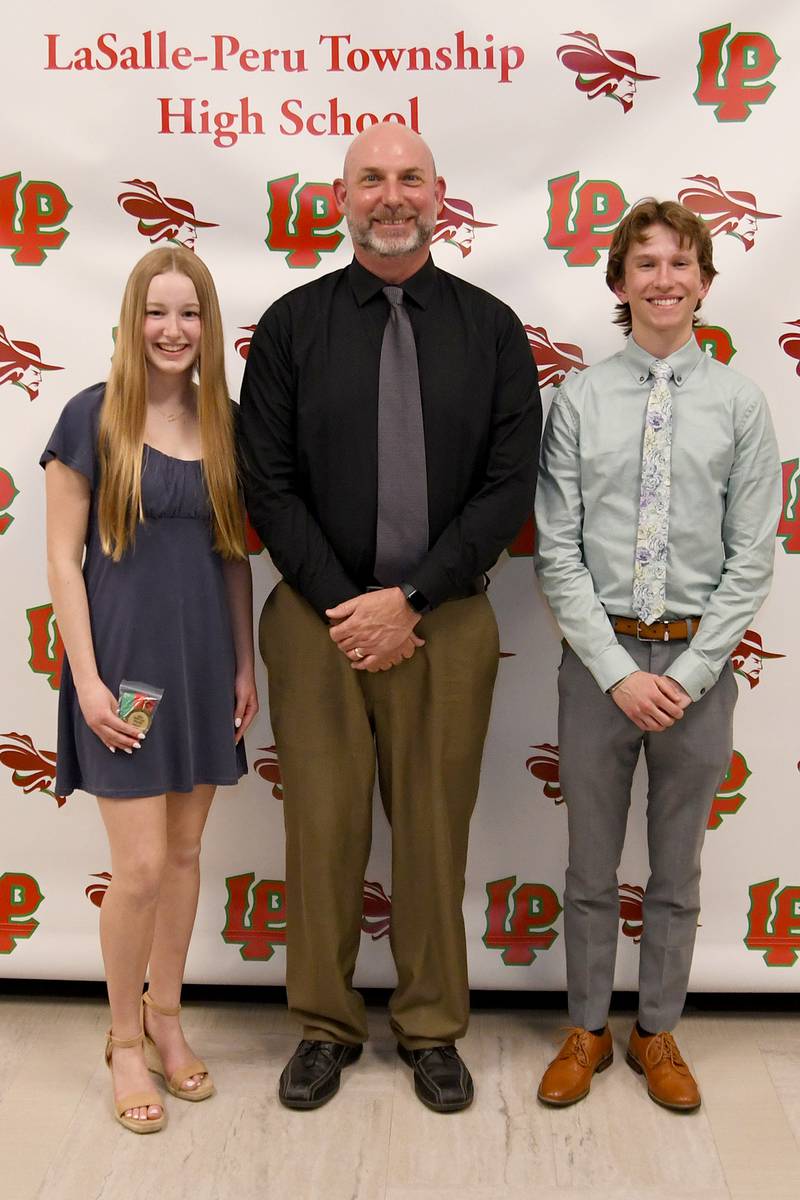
[{"x": 599, "y": 749}]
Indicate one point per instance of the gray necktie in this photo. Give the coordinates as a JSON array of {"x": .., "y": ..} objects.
[{"x": 402, "y": 528}]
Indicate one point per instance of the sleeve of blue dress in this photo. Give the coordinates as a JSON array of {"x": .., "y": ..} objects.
[{"x": 74, "y": 439}]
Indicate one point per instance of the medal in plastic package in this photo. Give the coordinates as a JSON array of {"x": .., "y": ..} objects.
[{"x": 138, "y": 703}]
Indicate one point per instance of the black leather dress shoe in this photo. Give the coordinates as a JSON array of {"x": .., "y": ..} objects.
[
  {"x": 311, "y": 1076},
  {"x": 441, "y": 1078}
]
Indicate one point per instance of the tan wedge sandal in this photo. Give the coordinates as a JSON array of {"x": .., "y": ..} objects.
[
  {"x": 135, "y": 1099},
  {"x": 194, "y": 1067}
]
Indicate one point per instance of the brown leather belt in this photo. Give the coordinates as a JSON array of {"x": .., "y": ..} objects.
[{"x": 659, "y": 631}]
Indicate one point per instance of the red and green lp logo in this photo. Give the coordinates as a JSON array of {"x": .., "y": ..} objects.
[
  {"x": 47, "y": 649},
  {"x": 789, "y": 521},
  {"x": 581, "y": 218},
  {"x": 302, "y": 220},
  {"x": 773, "y": 922},
  {"x": 733, "y": 70},
  {"x": 20, "y": 896},
  {"x": 32, "y": 216},
  {"x": 730, "y": 797},
  {"x": 715, "y": 341},
  {"x": 519, "y": 919},
  {"x": 8, "y": 494}
]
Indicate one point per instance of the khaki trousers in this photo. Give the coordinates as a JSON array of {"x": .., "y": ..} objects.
[{"x": 424, "y": 722}]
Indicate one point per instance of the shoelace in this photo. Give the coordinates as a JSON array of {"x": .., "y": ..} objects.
[
  {"x": 579, "y": 1044},
  {"x": 308, "y": 1049},
  {"x": 444, "y": 1052},
  {"x": 661, "y": 1046}
]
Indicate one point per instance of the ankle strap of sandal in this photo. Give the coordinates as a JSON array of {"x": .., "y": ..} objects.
[
  {"x": 159, "y": 1008},
  {"x": 125, "y": 1043}
]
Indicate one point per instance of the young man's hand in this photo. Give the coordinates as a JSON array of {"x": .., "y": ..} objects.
[{"x": 652, "y": 702}]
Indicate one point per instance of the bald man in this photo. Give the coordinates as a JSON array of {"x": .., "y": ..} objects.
[{"x": 390, "y": 424}]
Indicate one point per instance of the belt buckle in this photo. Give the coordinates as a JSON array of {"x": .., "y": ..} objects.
[{"x": 639, "y": 637}]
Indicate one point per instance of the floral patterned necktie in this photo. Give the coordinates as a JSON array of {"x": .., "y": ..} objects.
[{"x": 650, "y": 565}]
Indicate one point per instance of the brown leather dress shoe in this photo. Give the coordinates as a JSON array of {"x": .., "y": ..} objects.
[
  {"x": 669, "y": 1080},
  {"x": 569, "y": 1076}
]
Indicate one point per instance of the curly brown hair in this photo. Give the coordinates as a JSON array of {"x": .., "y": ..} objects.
[{"x": 633, "y": 227}]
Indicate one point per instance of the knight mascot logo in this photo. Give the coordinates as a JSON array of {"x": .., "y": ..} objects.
[
  {"x": 524, "y": 544},
  {"x": 8, "y": 494},
  {"x": 96, "y": 892},
  {"x": 600, "y": 72},
  {"x": 161, "y": 218},
  {"x": 456, "y": 225},
  {"x": 20, "y": 896},
  {"x": 544, "y": 767},
  {"x": 302, "y": 220},
  {"x": 733, "y": 212},
  {"x": 21, "y": 364},
  {"x": 254, "y": 542},
  {"x": 790, "y": 343},
  {"x": 732, "y": 72},
  {"x": 270, "y": 769},
  {"x": 519, "y": 919},
  {"x": 581, "y": 220},
  {"x": 773, "y": 922},
  {"x": 748, "y": 657},
  {"x": 631, "y": 896},
  {"x": 376, "y": 913},
  {"x": 32, "y": 770},
  {"x": 242, "y": 344},
  {"x": 32, "y": 216},
  {"x": 554, "y": 360},
  {"x": 730, "y": 797}
]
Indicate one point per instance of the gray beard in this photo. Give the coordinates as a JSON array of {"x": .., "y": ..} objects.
[{"x": 391, "y": 247}]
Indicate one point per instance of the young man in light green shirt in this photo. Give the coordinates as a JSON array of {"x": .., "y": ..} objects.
[{"x": 658, "y": 498}]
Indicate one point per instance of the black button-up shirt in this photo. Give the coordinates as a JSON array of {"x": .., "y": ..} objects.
[{"x": 309, "y": 427}]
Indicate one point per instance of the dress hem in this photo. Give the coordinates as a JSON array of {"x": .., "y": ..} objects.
[{"x": 136, "y": 795}]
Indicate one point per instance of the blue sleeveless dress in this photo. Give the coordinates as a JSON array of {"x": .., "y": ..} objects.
[{"x": 159, "y": 616}]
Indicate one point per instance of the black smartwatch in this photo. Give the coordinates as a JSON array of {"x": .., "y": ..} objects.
[{"x": 418, "y": 602}]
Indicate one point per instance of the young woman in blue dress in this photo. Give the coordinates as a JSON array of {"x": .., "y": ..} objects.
[{"x": 150, "y": 582}]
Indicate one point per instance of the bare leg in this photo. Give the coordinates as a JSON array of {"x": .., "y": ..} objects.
[
  {"x": 177, "y": 905},
  {"x": 137, "y": 835}
]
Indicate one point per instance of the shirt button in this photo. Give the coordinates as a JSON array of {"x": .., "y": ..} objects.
[
  {"x": 678, "y": 378},
  {"x": 642, "y": 378},
  {"x": 702, "y": 691}
]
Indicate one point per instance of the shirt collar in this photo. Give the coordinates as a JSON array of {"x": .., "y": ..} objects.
[
  {"x": 683, "y": 361},
  {"x": 419, "y": 287}
]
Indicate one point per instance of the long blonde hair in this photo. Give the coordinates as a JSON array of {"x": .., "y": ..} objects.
[{"x": 124, "y": 410}]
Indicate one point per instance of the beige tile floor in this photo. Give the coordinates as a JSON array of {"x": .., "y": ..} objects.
[{"x": 375, "y": 1141}]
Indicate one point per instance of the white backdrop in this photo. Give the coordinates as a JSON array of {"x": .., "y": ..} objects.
[{"x": 546, "y": 124}]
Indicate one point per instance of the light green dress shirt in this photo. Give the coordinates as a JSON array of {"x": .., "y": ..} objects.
[{"x": 724, "y": 505}]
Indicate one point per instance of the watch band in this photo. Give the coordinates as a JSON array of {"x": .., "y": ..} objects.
[{"x": 418, "y": 602}]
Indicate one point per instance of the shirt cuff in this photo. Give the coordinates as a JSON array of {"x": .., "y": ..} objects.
[
  {"x": 692, "y": 673},
  {"x": 432, "y": 582},
  {"x": 328, "y": 595},
  {"x": 611, "y": 666}
]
